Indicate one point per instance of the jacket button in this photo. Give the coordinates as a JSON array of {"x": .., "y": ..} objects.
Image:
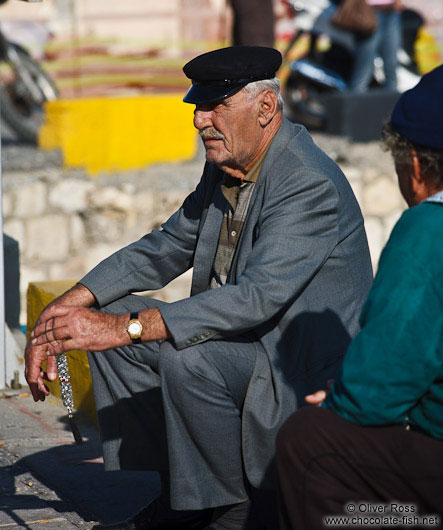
[
  {"x": 194, "y": 339},
  {"x": 202, "y": 336},
  {"x": 188, "y": 342},
  {"x": 208, "y": 334}
]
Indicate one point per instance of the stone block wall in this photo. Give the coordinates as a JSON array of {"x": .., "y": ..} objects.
[{"x": 66, "y": 222}]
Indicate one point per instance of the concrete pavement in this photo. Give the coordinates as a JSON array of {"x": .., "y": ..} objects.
[{"x": 47, "y": 482}]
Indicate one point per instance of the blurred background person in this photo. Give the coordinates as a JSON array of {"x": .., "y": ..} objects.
[
  {"x": 253, "y": 23},
  {"x": 385, "y": 41}
]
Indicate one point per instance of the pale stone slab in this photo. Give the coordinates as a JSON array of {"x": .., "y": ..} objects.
[
  {"x": 352, "y": 173},
  {"x": 72, "y": 269},
  {"x": 112, "y": 198},
  {"x": 29, "y": 274},
  {"x": 105, "y": 226},
  {"x": 71, "y": 195},
  {"x": 47, "y": 238},
  {"x": 8, "y": 204},
  {"x": 144, "y": 202},
  {"x": 381, "y": 197},
  {"x": 77, "y": 233},
  {"x": 15, "y": 228},
  {"x": 98, "y": 253},
  {"x": 30, "y": 199},
  {"x": 376, "y": 239},
  {"x": 357, "y": 188}
]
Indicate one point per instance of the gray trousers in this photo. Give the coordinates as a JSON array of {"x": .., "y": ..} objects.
[{"x": 176, "y": 411}]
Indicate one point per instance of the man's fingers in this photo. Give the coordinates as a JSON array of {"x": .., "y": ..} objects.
[
  {"x": 42, "y": 387},
  {"x": 35, "y": 392},
  {"x": 51, "y": 368},
  {"x": 49, "y": 314},
  {"x": 54, "y": 348},
  {"x": 51, "y": 336},
  {"x": 62, "y": 346},
  {"x": 34, "y": 358},
  {"x": 36, "y": 385},
  {"x": 33, "y": 372},
  {"x": 317, "y": 398},
  {"x": 52, "y": 311},
  {"x": 49, "y": 328}
]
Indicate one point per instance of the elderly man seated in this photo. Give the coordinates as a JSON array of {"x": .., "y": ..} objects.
[
  {"x": 198, "y": 388},
  {"x": 373, "y": 452}
]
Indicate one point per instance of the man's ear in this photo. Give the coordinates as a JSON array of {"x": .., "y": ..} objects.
[
  {"x": 416, "y": 165},
  {"x": 267, "y": 107},
  {"x": 419, "y": 185}
]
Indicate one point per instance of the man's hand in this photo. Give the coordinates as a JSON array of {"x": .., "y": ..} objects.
[
  {"x": 318, "y": 397},
  {"x": 35, "y": 376},
  {"x": 78, "y": 296},
  {"x": 68, "y": 324},
  {"x": 36, "y": 354},
  {"x": 79, "y": 328}
]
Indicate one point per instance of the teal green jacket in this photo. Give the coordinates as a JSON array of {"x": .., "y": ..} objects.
[{"x": 393, "y": 369}]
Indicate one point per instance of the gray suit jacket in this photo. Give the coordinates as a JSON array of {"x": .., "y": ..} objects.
[{"x": 298, "y": 280}]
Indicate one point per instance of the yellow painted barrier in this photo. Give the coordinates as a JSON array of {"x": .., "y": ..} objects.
[
  {"x": 116, "y": 133},
  {"x": 40, "y": 294}
]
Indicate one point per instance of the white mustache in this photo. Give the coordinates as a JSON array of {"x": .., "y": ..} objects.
[{"x": 211, "y": 134}]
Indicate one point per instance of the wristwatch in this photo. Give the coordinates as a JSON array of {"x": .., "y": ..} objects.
[{"x": 134, "y": 328}]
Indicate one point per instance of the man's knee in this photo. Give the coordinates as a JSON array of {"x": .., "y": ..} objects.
[
  {"x": 173, "y": 363},
  {"x": 182, "y": 367}
]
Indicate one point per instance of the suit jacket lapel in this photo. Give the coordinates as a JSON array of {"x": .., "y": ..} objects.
[
  {"x": 208, "y": 239},
  {"x": 281, "y": 139},
  {"x": 207, "y": 242}
]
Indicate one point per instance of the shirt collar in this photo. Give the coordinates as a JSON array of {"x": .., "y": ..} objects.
[{"x": 437, "y": 197}]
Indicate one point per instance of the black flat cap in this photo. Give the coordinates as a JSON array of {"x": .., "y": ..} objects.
[{"x": 218, "y": 74}]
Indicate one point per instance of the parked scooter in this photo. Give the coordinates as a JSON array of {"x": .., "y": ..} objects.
[
  {"x": 328, "y": 63},
  {"x": 24, "y": 88}
]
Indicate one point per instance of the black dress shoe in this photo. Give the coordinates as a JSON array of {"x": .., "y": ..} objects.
[{"x": 157, "y": 516}]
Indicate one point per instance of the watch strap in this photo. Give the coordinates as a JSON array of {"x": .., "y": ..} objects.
[{"x": 134, "y": 316}]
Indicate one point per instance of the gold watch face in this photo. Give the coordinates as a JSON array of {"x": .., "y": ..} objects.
[{"x": 134, "y": 329}]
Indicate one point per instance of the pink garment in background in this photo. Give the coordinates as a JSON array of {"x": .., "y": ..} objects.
[{"x": 380, "y": 2}]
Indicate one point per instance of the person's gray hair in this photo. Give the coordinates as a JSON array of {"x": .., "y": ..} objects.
[{"x": 255, "y": 88}]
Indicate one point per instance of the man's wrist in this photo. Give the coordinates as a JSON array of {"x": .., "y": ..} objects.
[
  {"x": 78, "y": 295},
  {"x": 134, "y": 328},
  {"x": 153, "y": 326},
  {"x": 122, "y": 336}
]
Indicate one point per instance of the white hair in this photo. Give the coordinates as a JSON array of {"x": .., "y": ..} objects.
[{"x": 256, "y": 87}]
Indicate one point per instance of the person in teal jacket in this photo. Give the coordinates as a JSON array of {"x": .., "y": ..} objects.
[{"x": 371, "y": 452}]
